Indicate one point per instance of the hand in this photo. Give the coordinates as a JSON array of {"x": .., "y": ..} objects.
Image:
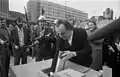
[
  {"x": 118, "y": 47},
  {"x": 111, "y": 49},
  {"x": 16, "y": 47},
  {"x": 2, "y": 42},
  {"x": 51, "y": 74},
  {"x": 67, "y": 55},
  {"x": 36, "y": 42},
  {"x": 27, "y": 50}
]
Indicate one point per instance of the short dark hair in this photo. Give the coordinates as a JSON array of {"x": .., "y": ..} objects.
[
  {"x": 67, "y": 24},
  {"x": 92, "y": 22},
  {"x": 18, "y": 19}
]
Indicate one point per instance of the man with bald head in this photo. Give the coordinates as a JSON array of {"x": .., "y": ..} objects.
[{"x": 73, "y": 42}]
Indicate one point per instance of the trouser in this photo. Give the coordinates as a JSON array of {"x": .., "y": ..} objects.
[
  {"x": 39, "y": 53},
  {"x": 4, "y": 63},
  {"x": 20, "y": 54}
]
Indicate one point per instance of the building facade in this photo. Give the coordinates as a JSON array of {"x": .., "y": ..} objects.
[
  {"x": 4, "y": 8},
  {"x": 108, "y": 14},
  {"x": 33, "y": 10},
  {"x": 53, "y": 11}
]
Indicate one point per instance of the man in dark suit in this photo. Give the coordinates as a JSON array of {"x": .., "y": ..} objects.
[
  {"x": 20, "y": 39},
  {"x": 73, "y": 43},
  {"x": 4, "y": 49}
]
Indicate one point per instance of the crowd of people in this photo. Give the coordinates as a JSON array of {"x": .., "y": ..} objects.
[
  {"x": 43, "y": 40},
  {"x": 21, "y": 40}
]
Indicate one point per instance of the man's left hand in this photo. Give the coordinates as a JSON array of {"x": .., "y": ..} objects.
[
  {"x": 67, "y": 55},
  {"x": 27, "y": 50},
  {"x": 118, "y": 47}
]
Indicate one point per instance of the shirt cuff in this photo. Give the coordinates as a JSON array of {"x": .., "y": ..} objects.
[{"x": 75, "y": 53}]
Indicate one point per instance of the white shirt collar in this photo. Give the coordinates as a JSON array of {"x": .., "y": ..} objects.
[
  {"x": 71, "y": 37},
  {"x": 19, "y": 28}
]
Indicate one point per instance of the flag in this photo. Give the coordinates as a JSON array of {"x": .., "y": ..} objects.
[
  {"x": 26, "y": 15},
  {"x": 43, "y": 11}
]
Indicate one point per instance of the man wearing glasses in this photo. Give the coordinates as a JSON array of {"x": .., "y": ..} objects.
[{"x": 73, "y": 43}]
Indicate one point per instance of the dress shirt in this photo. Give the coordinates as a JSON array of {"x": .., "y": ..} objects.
[
  {"x": 21, "y": 36},
  {"x": 70, "y": 41},
  {"x": 71, "y": 37}
]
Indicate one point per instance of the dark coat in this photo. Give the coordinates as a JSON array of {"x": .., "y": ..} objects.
[
  {"x": 4, "y": 35},
  {"x": 15, "y": 38},
  {"x": 80, "y": 45}
]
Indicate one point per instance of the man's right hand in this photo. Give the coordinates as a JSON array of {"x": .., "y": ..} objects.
[
  {"x": 1, "y": 41},
  {"x": 16, "y": 47},
  {"x": 111, "y": 48},
  {"x": 36, "y": 42}
]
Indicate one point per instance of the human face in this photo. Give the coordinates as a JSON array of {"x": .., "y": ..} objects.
[
  {"x": 91, "y": 26},
  {"x": 20, "y": 23},
  {"x": 61, "y": 30},
  {"x": 3, "y": 23}
]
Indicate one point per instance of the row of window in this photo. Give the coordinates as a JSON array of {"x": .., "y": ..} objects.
[{"x": 63, "y": 11}]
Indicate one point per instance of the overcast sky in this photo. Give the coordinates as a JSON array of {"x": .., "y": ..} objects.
[{"x": 92, "y": 7}]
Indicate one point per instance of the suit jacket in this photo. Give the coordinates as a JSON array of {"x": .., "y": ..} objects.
[
  {"x": 15, "y": 37},
  {"x": 80, "y": 45},
  {"x": 4, "y": 35}
]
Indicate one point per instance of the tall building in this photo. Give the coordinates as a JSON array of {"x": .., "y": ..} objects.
[
  {"x": 108, "y": 14},
  {"x": 33, "y": 10},
  {"x": 53, "y": 11},
  {"x": 4, "y": 8}
]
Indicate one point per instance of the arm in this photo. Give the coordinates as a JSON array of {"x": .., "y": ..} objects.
[
  {"x": 14, "y": 46},
  {"x": 81, "y": 40},
  {"x": 97, "y": 42},
  {"x": 87, "y": 49}
]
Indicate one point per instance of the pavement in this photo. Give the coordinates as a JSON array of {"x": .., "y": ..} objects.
[{"x": 29, "y": 60}]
